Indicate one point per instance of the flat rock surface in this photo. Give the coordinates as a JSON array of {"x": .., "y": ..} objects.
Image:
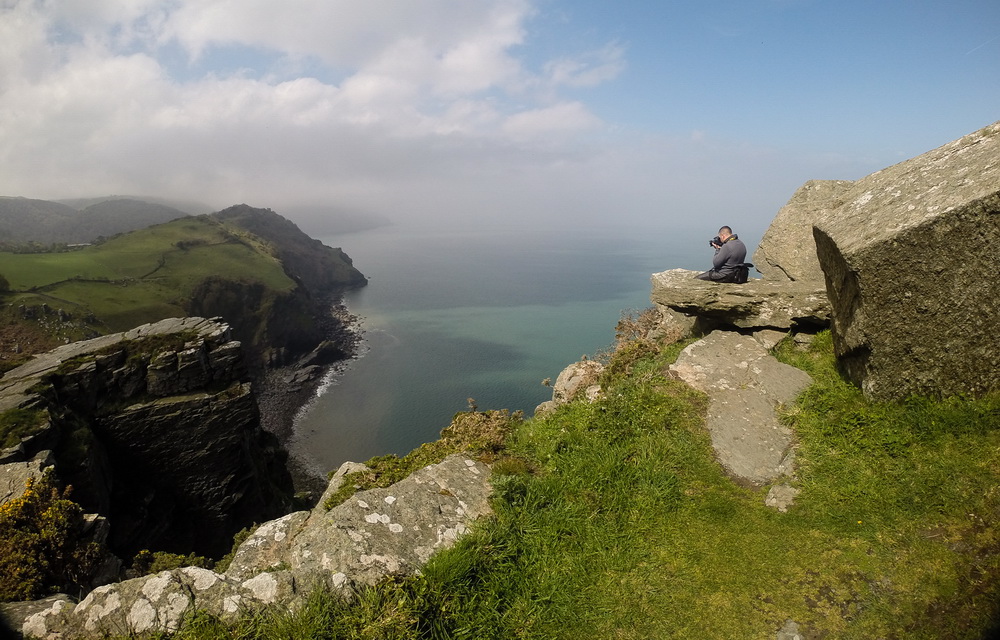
[
  {"x": 375, "y": 533},
  {"x": 745, "y": 384},
  {"x": 755, "y": 304}
]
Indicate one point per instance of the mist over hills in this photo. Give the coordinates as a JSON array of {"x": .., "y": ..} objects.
[
  {"x": 24, "y": 220},
  {"x": 83, "y": 220}
]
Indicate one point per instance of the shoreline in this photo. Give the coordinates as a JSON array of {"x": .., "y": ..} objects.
[{"x": 283, "y": 392}]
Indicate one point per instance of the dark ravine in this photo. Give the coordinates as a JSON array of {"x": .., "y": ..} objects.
[
  {"x": 156, "y": 429},
  {"x": 283, "y": 391}
]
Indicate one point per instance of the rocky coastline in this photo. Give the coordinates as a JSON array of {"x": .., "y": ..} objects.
[{"x": 283, "y": 391}]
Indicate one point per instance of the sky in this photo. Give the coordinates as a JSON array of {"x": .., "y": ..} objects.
[{"x": 554, "y": 114}]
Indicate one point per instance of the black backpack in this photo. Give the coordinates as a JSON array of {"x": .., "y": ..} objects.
[{"x": 742, "y": 273}]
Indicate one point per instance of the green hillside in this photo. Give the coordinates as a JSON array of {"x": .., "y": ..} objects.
[
  {"x": 248, "y": 265},
  {"x": 139, "y": 276}
]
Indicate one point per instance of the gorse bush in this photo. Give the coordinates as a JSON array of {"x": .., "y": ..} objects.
[{"x": 41, "y": 548}]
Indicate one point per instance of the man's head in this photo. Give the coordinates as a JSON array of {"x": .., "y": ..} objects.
[{"x": 725, "y": 232}]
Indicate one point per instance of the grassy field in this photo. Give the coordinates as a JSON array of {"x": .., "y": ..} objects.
[
  {"x": 612, "y": 520},
  {"x": 141, "y": 276}
]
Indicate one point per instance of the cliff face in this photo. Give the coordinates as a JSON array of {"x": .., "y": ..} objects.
[{"x": 157, "y": 429}]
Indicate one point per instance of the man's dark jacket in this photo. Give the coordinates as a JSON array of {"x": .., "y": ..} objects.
[{"x": 732, "y": 254}]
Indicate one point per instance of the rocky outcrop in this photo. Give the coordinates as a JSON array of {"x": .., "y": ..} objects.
[
  {"x": 14, "y": 476},
  {"x": 698, "y": 306},
  {"x": 576, "y": 379},
  {"x": 155, "y": 428},
  {"x": 375, "y": 533},
  {"x": 788, "y": 251},
  {"x": 905, "y": 259},
  {"x": 745, "y": 384}
]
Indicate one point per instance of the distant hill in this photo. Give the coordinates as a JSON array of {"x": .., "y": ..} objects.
[
  {"x": 187, "y": 206},
  {"x": 27, "y": 220},
  {"x": 306, "y": 259},
  {"x": 24, "y": 220},
  {"x": 268, "y": 279}
]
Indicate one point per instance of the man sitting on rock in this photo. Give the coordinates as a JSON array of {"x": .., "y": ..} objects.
[{"x": 730, "y": 252}]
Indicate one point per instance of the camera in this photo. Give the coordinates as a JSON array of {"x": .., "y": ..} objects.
[{"x": 715, "y": 241}]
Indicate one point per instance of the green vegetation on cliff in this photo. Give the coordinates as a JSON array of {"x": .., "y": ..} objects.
[
  {"x": 248, "y": 265},
  {"x": 42, "y": 550},
  {"x": 613, "y": 519}
]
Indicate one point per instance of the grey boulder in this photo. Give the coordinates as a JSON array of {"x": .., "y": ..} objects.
[{"x": 909, "y": 260}]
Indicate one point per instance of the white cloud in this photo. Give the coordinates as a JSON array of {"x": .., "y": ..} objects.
[
  {"x": 417, "y": 107},
  {"x": 587, "y": 70},
  {"x": 558, "y": 118}
]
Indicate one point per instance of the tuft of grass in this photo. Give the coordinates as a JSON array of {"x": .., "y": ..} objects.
[
  {"x": 478, "y": 433},
  {"x": 17, "y": 424}
]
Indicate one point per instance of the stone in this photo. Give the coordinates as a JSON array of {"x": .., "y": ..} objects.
[
  {"x": 788, "y": 251},
  {"x": 337, "y": 480},
  {"x": 14, "y": 614},
  {"x": 133, "y": 401},
  {"x": 789, "y": 631},
  {"x": 745, "y": 384},
  {"x": 674, "y": 325},
  {"x": 769, "y": 338},
  {"x": 264, "y": 549},
  {"x": 393, "y": 530},
  {"x": 378, "y": 532},
  {"x": 14, "y": 475},
  {"x": 576, "y": 379},
  {"x": 908, "y": 261},
  {"x": 755, "y": 305},
  {"x": 781, "y": 497},
  {"x": 546, "y": 407}
]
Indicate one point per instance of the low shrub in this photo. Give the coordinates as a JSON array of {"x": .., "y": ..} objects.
[{"x": 42, "y": 550}]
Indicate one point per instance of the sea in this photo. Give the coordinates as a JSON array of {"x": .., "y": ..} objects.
[{"x": 451, "y": 317}]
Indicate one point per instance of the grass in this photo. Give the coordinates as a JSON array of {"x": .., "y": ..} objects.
[
  {"x": 16, "y": 424},
  {"x": 612, "y": 520},
  {"x": 141, "y": 276}
]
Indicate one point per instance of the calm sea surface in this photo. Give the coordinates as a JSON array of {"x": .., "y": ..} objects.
[{"x": 483, "y": 315}]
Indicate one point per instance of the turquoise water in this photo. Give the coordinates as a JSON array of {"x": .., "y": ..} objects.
[{"x": 478, "y": 314}]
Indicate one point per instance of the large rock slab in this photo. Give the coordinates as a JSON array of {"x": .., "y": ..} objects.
[
  {"x": 745, "y": 384},
  {"x": 788, "y": 251},
  {"x": 756, "y": 304},
  {"x": 393, "y": 530},
  {"x": 908, "y": 262},
  {"x": 373, "y": 534}
]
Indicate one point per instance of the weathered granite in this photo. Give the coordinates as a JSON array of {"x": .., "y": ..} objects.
[
  {"x": 14, "y": 476},
  {"x": 769, "y": 338},
  {"x": 393, "y": 530},
  {"x": 756, "y": 304},
  {"x": 907, "y": 261},
  {"x": 788, "y": 251},
  {"x": 376, "y": 533},
  {"x": 576, "y": 379},
  {"x": 781, "y": 497},
  {"x": 744, "y": 384}
]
